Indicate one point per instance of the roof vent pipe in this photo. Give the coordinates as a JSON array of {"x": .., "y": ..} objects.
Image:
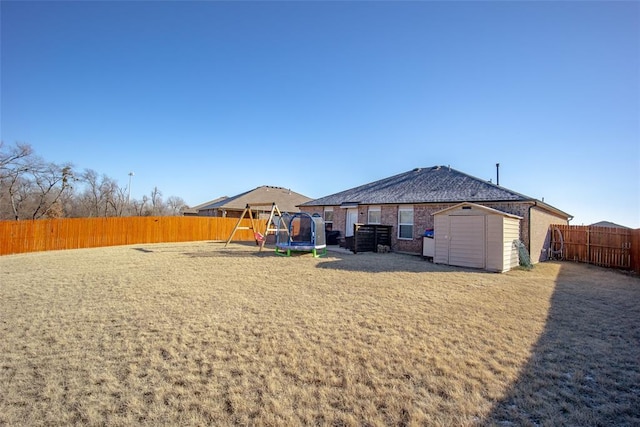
[{"x": 497, "y": 173}]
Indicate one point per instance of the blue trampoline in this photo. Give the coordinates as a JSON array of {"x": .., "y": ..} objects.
[{"x": 301, "y": 232}]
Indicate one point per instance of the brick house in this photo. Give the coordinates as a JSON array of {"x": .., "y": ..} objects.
[
  {"x": 232, "y": 207},
  {"x": 195, "y": 211},
  {"x": 408, "y": 201}
]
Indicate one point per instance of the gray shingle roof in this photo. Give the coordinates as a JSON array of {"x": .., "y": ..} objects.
[
  {"x": 608, "y": 224},
  {"x": 438, "y": 184},
  {"x": 286, "y": 199}
]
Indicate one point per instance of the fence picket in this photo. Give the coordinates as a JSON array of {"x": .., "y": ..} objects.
[
  {"x": 602, "y": 246},
  {"x": 75, "y": 233}
]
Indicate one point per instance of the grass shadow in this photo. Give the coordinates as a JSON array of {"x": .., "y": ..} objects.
[
  {"x": 145, "y": 250},
  {"x": 235, "y": 250},
  {"x": 585, "y": 368},
  {"x": 371, "y": 262}
]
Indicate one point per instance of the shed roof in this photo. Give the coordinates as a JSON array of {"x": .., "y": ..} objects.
[
  {"x": 437, "y": 184},
  {"x": 286, "y": 199},
  {"x": 477, "y": 206}
]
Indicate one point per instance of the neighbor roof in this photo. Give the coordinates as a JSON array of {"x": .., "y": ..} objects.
[
  {"x": 195, "y": 209},
  {"x": 286, "y": 199},
  {"x": 608, "y": 224},
  {"x": 437, "y": 184}
]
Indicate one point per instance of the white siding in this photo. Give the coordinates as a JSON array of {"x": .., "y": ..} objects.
[
  {"x": 467, "y": 241},
  {"x": 475, "y": 236},
  {"x": 511, "y": 234},
  {"x": 495, "y": 243},
  {"x": 441, "y": 237}
]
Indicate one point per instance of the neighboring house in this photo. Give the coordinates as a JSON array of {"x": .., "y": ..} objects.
[
  {"x": 194, "y": 210},
  {"x": 408, "y": 201},
  {"x": 609, "y": 225},
  {"x": 232, "y": 207}
]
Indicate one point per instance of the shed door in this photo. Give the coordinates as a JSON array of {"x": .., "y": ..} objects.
[{"x": 467, "y": 241}]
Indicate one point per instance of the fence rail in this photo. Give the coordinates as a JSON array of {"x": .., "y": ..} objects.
[
  {"x": 602, "y": 246},
  {"x": 76, "y": 233}
]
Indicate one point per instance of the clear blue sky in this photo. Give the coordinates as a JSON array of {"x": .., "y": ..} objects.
[{"x": 204, "y": 99}]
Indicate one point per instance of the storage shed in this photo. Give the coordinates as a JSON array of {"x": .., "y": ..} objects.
[{"x": 471, "y": 235}]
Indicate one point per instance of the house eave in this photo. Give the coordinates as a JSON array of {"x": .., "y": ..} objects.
[{"x": 530, "y": 202}]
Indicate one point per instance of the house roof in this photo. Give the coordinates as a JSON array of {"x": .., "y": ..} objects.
[
  {"x": 437, "y": 184},
  {"x": 195, "y": 209},
  {"x": 286, "y": 199},
  {"x": 608, "y": 224}
]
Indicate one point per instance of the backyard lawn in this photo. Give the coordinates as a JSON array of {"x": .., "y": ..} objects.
[{"x": 199, "y": 334}]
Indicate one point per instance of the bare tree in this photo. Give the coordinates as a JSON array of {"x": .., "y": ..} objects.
[
  {"x": 51, "y": 181},
  {"x": 30, "y": 185},
  {"x": 17, "y": 191},
  {"x": 93, "y": 197},
  {"x": 156, "y": 202},
  {"x": 118, "y": 201},
  {"x": 56, "y": 210},
  {"x": 175, "y": 205},
  {"x": 14, "y": 164},
  {"x": 33, "y": 188},
  {"x": 71, "y": 203},
  {"x": 13, "y": 156},
  {"x": 140, "y": 206},
  {"x": 103, "y": 196}
]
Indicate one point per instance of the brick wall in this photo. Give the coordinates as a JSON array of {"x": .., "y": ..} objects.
[
  {"x": 423, "y": 219},
  {"x": 314, "y": 209},
  {"x": 540, "y": 235}
]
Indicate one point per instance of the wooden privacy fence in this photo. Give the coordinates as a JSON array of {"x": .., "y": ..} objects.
[
  {"x": 603, "y": 246},
  {"x": 75, "y": 233}
]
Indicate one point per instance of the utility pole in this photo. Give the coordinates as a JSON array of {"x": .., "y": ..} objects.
[{"x": 129, "y": 193}]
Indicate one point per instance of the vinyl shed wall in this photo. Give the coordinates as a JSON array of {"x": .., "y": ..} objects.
[
  {"x": 502, "y": 253},
  {"x": 484, "y": 240}
]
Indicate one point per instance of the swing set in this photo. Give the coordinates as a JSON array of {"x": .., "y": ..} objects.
[
  {"x": 300, "y": 232},
  {"x": 252, "y": 212}
]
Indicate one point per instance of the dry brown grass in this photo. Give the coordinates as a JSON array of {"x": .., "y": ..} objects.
[{"x": 197, "y": 334}]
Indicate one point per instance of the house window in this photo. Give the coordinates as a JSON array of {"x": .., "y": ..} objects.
[
  {"x": 405, "y": 223},
  {"x": 328, "y": 218},
  {"x": 374, "y": 215}
]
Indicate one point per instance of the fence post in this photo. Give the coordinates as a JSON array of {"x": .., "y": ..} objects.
[
  {"x": 589, "y": 245},
  {"x": 634, "y": 250}
]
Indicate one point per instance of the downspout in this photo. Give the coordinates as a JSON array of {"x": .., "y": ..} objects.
[{"x": 535, "y": 203}]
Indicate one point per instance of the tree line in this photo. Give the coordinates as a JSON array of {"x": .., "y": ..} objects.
[{"x": 33, "y": 188}]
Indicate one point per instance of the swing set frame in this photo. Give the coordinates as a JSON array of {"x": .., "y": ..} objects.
[{"x": 251, "y": 211}]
